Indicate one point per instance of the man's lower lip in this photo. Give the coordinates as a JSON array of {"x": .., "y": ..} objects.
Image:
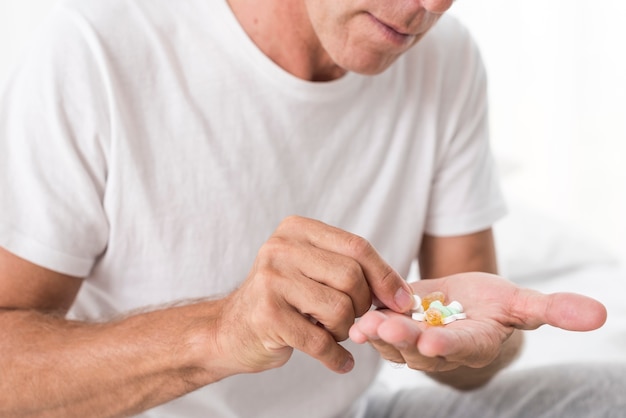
[{"x": 391, "y": 33}]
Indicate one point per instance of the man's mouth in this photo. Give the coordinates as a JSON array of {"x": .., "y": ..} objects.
[
  {"x": 399, "y": 32},
  {"x": 394, "y": 34}
]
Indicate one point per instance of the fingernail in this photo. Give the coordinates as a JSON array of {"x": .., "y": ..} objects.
[
  {"x": 348, "y": 365},
  {"x": 403, "y": 299}
]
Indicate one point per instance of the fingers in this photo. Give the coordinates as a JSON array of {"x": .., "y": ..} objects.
[
  {"x": 573, "y": 312},
  {"x": 367, "y": 327},
  {"x": 384, "y": 282},
  {"x": 399, "y": 339},
  {"x": 495, "y": 307},
  {"x": 382, "y": 329},
  {"x": 323, "y": 305},
  {"x": 367, "y": 330},
  {"x": 267, "y": 338},
  {"x": 308, "y": 284},
  {"x": 319, "y": 344},
  {"x": 336, "y": 271},
  {"x": 490, "y": 297}
]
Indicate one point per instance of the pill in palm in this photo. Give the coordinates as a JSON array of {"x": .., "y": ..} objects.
[{"x": 432, "y": 310}]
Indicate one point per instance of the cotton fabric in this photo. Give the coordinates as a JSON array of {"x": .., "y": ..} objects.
[{"x": 150, "y": 147}]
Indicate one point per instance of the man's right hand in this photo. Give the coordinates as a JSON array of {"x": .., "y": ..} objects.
[{"x": 307, "y": 285}]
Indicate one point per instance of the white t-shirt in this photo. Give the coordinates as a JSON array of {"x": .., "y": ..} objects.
[{"x": 150, "y": 147}]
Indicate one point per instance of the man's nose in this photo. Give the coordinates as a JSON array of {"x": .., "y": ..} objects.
[{"x": 437, "y": 6}]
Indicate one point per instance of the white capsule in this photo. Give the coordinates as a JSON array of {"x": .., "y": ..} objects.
[
  {"x": 417, "y": 305},
  {"x": 418, "y": 316}
]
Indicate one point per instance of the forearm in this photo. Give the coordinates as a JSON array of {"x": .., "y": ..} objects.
[
  {"x": 466, "y": 378},
  {"x": 55, "y": 367}
]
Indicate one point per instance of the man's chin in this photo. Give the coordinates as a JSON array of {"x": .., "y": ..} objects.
[{"x": 368, "y": 64}]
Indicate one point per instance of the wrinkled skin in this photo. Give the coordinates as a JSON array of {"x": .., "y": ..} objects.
[{"x": 309, "y": 283}]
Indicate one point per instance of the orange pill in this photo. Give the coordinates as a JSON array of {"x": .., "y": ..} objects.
[
  {"x": 431, "y": 297},
  {"x": 433, "y": 317}
]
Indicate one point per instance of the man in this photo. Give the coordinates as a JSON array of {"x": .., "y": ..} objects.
[{"x": 213, "y": 192}]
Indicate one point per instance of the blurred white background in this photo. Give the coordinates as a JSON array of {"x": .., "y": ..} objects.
[
  {"x": 558, "y": 101},
  {"x": 557, "y": 74}
]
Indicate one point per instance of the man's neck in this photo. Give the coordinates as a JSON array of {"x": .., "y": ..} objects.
[{"x": 281, "y": 30}]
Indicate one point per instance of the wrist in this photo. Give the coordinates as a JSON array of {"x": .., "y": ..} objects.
[
  {"x": 468, "y": 378},
  {"x": 203, "y": 343}
]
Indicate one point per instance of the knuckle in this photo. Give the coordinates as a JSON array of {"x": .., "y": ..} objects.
[
  {"x": 290, "y": 222},
  {"x": 319, "y": 343},
  {"x": 264, "y": 276},
  {"x": 363, "y": 304},
  {"x": 354, "y": 284},
  {"x": 354, "y": 275},
  {"x": 343, "y": 308},
  {"x": 275, "y": 248},
  {"x": 359, "y": 246},
  {"x": 387, "y": 277},
  {"x": 342, "y": 334},
  {"x": 272, "y": 246}
]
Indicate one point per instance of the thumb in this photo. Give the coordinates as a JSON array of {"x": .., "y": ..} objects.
[
  {"x": 386, "y": 285},
  {"x": 390, "y": 291},
  {"x": 569, "y": 311}
]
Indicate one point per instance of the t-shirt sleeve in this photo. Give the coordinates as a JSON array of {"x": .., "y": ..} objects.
[
  {"x": 465, "y": 194},
  {"x": 54, "y": 130}
]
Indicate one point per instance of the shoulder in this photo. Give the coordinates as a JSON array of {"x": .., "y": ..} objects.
[
  {"x": 128, "y": 17},
  {"x": 98, "y": 12},
  {"x": 127, "y": 35}
]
